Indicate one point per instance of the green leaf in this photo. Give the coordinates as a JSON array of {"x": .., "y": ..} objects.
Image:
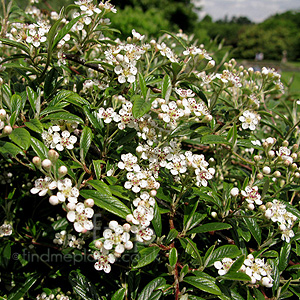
[
  {"x": 284, "y": 256},
  {"x": 238, "y": 276},
  {"x": 146, "y": 256},
  {"x": 156, "y": 222},
  {"x": 214, "y": 226},
  {"x": 66, "y": 116},
  {"x": 21, "y": 291},
  {"x": 97, "y": 168},
  {"x": 85, "y": 142},
  {"x": 100, "y": 186},
  {"x": 140, "y": 106},
  {"x": 171, "y": 236},
  {"x": 253, "y": 227},
  {"x": 10, "y": 149},
  {"x": 107, "y": 202},
  {"x": 5, "y": 255},
  {"x": 32, "y": 97},
  {"x": 39, "y": 148},
  {"x": 143, "y": 86},
  {"x": 63, "y": 31},
  {"x": 21, "y": 137},
  {"x": 21, "y": 46},
  {"x": 119, "y": 294},
  {"x": 166, "y": 88},
  {"x": 173, "y": 256},
  {"x": 214, "y": 139},
  {"x": 16, "y": 106},
  {"x": 82, "y": 287},
  {"x": 179, "y": 40},
  {"x": 92, "y": 118},
  {"x": 203, "y": 282},
  {"x": 191, "y": 248},
  {"x": 35, "y": 125},
  {"x": 230, "y": 251},
  {"x": 275, "y": 273},
  {"x": 258, "y": 294},
  {"x": 150, "y": 288},
  {"x": 235, "y": 267},
  {"x": 50, "y": 82},
  {"x": 60, "y": 224}
]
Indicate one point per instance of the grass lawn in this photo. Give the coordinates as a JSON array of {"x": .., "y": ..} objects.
[{"x": 295, "y": 86}]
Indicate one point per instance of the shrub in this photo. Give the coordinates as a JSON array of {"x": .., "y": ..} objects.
[{"x": 141, "y": 169}]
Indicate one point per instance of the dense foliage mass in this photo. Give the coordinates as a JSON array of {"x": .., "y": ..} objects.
[{"x": 141, "y": 169}]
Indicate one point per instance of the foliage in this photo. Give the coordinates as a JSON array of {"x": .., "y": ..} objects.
[{"x": 141, "y": 169}]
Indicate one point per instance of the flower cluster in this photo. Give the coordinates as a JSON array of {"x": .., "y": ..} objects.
[
  {"x": 66, "y": 239},
  {"x": 4, "y": 124},
  {"x": 276, "y": 212},
  {"x": 258, "y": 270},
  {"x": 116, "y": 239},
  {"x": 55, "y": 139}
]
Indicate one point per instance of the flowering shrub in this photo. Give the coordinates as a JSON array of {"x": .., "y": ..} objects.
[{"x": 141, "y": 169}]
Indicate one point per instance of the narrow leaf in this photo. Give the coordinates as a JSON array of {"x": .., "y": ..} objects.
[
  {"x": 214, "y": 226},
  {"x": 147, "y": 256},
  {"x": 85, "y": 141}
]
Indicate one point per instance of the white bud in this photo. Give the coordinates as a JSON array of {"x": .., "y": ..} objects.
[
  {"x": 129, "y": 218},
  {"x": 2, "y": 114},
  {"x": 46, "y": 164},
  {"x": 251, "y": 206},
  {"x": 271, "y": 154},
  {"x": 214, "y": 214},
  {"x": 153, "y": 193},
  {"x": 234, "y": 192},
  {"x": 277, "y": 174},
  {"x": 282, "y": 227},
  {"x": 266, "y": 170},
  {"x": 126, "y": 227},
  {"x": 62, "y": 171},
  {"x": 37, "y": 161},
  {"x": 128, "y": 245},
  {"x": 89, "y": 202},
  {"x": 98, "y": 244},
  {"x": 53, "y": 200},
  {"x": 53, "y": 155},
  {"x": 7, "y": 130}
]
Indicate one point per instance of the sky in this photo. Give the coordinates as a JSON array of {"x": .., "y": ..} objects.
[{"x": 255, "y": 10}]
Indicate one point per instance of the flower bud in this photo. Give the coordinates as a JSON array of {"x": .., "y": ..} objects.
[
  {"x": 282, "y": 227},
  {"x": 285, "y": 143},
  {"x": 2, "y": 114},
  {"x": 260, "y": 176},
  {"x": 46, "y": 164},
  {"x": 37, "y": 161},
  {"x": 129, "y": 218},
  {"x": 277, "y": 174},
  {"x": 294, "y": 167},
  {"x": 287, "y": 162},
  {"x": 7, "y": 130},
  {"x": 294, "y": 156},
  {"x": 207, "y": 118},
  {"x": 53, "y": 200},
  {"x": 271, "y": 154},
  {"x": 153, "y": 193},
  {"x": 257, "y": 158},
  {"x": 295, "y": 147},
  {"x": 262, "y": 208},
  {"x": 210, "y": 64},
  {"x": 71, "y": 206},
  {"x": 89, "y": 202},
  {"x": 128, "y": 245},
  {"x": 126, "y": 227},
  {"x": 266, "y": 170},
  {"x": 214, "y": 214},
  {"x": 282, "y": 183},
  {"x": 62, "y": 171},
  {"x": 297, "y": 174},
  {"x": 53, "y": 155},
  {"x": 251, "y": 206},
  {"x": 234, "y": 192},
  {"x": 98, "y": 244}
]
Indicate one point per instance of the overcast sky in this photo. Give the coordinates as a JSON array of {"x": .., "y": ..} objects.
[{"x": 255, "y": 10}]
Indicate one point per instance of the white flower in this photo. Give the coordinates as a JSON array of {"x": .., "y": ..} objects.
[
  {"x": 108, "y": 115},
  {"x": 104, "y": 260},
  {"x": 67, "y": 141},
  {"x": 66, "y": 191},
  {"x": 43, "y": 185},
  {"x": 129, "y": 163},
  {"x": 223, "y": 266},
  {"x": 126, "y": 72},
  {"x": 251, "y": 195},
  {"x": 80, "y": 216},
  {"x": 5, "y": 230},
  {"x": 249, "y": 120}
]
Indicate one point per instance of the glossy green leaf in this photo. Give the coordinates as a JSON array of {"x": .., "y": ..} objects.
[
  {"x": 97, "y": 168},
  {"x": 284, "y": 256},
  {"x": 146, "y": 256},
  {"x": 100, "y": 186},
  {"x": 156, "y": 222},
  {"x": 66, "y": 116},
  {"x": 39, "y": 148},
  {"x": 85, "y": 142},
  {"x": 150, "y": 288},
  {"x": 107, "y": 202},
  {"x": 237, "y": 276},
  {"x": 214, "y": 226},
  {"x": 173, "y": 256},
  {"x": 21, "y": 137},
  {"x": 231, "y": 251},
  {"x": 140, "y": 106},
  {"x": 166, "y": 88},
  {"x": 203, "y": 282},
  {"x": 171, "y": 236},
  {"x": 119, "y": 294},
  {"x": 35, "y": 125},
  {"x": 9, "y": 149},
  {"x": 253, "y": 227}
]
